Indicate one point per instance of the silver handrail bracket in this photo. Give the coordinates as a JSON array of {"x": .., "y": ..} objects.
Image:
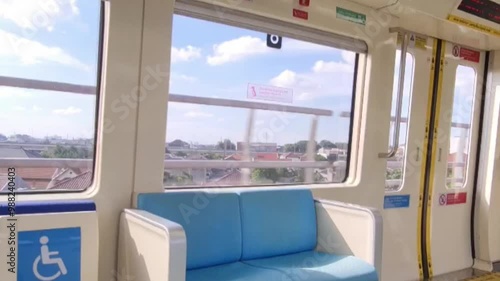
[{"x": 399, "y": 101}]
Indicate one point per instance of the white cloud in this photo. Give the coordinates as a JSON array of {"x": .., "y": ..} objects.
[
  {"x": 349, "y": 57},
  {"x": 197, "y": 114},
  {"x": 67, "y": 111},
  {"x": 36, "y": 108},
  {"x": 33, "y": 52},
  {"x": 175, "y": 77},
  {"x": 237, "y": 50},
  {"x": 331, "y": 67},
  {"x": 10, "y": 92},
  {"x": 38, "y": 14},
  {"x": 19, "y": 108},
  {"x": 188, "y": 53},
  {"x": 332, "y": 78},
  {"x": 247, "y": 46},
  {"x": 183, "y": 106}
]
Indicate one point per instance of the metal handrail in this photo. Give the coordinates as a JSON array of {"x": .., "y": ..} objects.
[
  {"x": 248, "y": 105},
  {"x": 47, "y": 85},
  {"x": 399, "y": 101},
  {"x": 90, "y": 90},
  {"x": 169, "y": 164}
]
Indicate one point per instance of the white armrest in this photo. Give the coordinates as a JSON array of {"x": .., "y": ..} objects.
[
  {"x": 151, "y": 248},
  {"x": 347, "y": 229}
]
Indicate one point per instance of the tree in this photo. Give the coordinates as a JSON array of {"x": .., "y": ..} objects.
[
  {"x": 213, "y": 156},
  {"x": 394, "y": 174},
  {"x": 179, "y": 143},
  {"x": 289, "y": 147},
  {"x": 286, "y": 173},
  {"x": 3, "y": 137},
  {"x": 67, "y": 152},
  {"x": 318, "y": 157},
  {"x": 181, "y": 154},
  {"x": 176, "y": 180},
  {"x": 226, "y": 145},
  {"x": 265, "y": 175},
  {"x": 327, "y": 144},
  {"x": 299, "y": 147}
]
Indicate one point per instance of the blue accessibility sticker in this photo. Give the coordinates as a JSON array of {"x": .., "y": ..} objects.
[
  {"x": 396, "y": 201},
  {"x": 49, "y": 255}
]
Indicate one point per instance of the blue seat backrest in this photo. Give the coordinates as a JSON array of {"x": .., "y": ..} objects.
[
  {"x": 277, "y": 222},
  {"x": 211, "y": 222}
]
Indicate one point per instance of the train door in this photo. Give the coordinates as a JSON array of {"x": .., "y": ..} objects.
[
  {"x": 404, "y": 172},
  {"x": 451, "y": 158}
]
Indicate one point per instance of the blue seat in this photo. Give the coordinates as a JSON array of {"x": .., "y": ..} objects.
[
  {"x": 211, "y": 222},
  {"x": 235, "y": 272},
  {"x": 253, "y": 235},
  {"x": 318, "y": 266}
]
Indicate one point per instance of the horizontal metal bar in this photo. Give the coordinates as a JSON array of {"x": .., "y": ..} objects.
[
  {"x": 90, "y": 90},
  {"x": 45, "y": 163},
  {"x": 47, "y": 85},
  {"x": 169, "y": 164},
  {"x": 221, "y": 164},
  {"x": 248, "y": 105}
]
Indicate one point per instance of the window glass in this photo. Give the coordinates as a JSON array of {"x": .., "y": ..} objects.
[
  {"x": 54, "y": 42},
  {"x": 396, "y": 164},
  {"x": 207, "y": 143},
  {"x": 458, "y": 154}
]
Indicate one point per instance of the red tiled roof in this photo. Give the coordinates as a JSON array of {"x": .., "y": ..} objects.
[
  {"x": 79, "y": 182},
  {"x": 267, "y": 156},
  {"x": 33, "y": 173}
]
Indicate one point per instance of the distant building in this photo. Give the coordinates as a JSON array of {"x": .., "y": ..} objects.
[
  {"x": 334, "y": 154},
  {"x": 258, "y": 147},
  {"x": 294, "y": 157}
]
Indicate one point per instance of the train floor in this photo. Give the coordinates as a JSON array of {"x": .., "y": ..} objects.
[{"x": 468, "y": 274}]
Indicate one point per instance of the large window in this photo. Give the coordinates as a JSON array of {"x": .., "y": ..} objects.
[
  {"x": 243, "y": 113},
  {"x": 396, "y": 165},
  {"x": 460, "y": 131},
  {"x": 49, "y": 60}
]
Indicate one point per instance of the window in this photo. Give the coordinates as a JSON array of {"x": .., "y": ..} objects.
[
  {"x": 396, "y": 165},
  {"x": 49, "y": 68},
  {"x": 248, "y": 111},
  {"x": 460, "y": 131}
]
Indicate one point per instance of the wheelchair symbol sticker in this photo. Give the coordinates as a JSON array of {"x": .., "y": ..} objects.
[{"x": 50, "y": 255}]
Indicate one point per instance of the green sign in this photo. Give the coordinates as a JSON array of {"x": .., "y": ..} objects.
[{"x": 351, "y": 16}]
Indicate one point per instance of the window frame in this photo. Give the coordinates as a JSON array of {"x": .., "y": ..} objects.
[
  {"x": 103, "y": 11},
  {"x": 252, "y": 22}
]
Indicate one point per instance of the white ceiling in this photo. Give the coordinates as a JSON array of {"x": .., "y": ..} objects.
[{"x": 429, "y": 17}]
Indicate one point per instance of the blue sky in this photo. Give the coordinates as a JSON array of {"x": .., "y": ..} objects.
[
  {"x": 213, "y": 60},
  {"x": 49, "y": 40},
  {"x": 59, "y": 42}
]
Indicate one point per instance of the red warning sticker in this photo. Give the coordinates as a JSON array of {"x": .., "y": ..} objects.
[
  {"x": 300, "y": 14},
  {"x": 453, "y": 198},
  {"x": 466, "y": 54},
  {"x": 304, "y": 3}
]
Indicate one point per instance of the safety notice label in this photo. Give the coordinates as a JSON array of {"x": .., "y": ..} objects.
[
  {"x": 466, "y": 54},
  {"x": 452, "y": 198},
  {"x": 269, "y": 93}
]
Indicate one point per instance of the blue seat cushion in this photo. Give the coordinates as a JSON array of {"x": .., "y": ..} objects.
[
  {"x": 211, "y": 222},
  {"x": 277, "y": 222},
  {"x": 235, "y": 272},
  {"x": 316, "y": 266}
]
